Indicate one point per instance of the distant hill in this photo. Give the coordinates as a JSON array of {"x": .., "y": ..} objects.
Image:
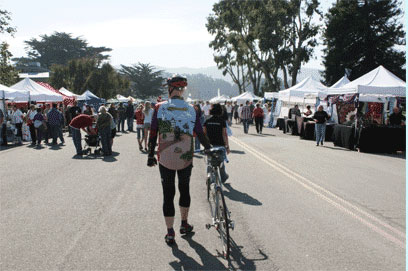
[
  {"x": 203, "y": 83},
  {"x": 215, "y": 73}
]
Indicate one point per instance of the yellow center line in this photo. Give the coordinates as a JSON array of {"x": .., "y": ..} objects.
[{"x": 314, "y": 188}]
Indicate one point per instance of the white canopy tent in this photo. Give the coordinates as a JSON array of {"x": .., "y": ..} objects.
[
  {"x": 303, "y": 93},
  {"x": 379, "y": 81},
  {"x": 296, "y": 93},
  {"x": 122, "y": 99},
  {"x": 271, "y": 95},
  {"x": 219, "y": 99},
  {"x": 7, "y": 93},
  {"x": 246, "y": 96},
  {"x": 37, "y": 92},
  {"x": 342, "y": 81},
  {"x": 66, "y": 92}
]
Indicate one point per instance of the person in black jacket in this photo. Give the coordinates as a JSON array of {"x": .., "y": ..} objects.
[
  {"x": 320, "y": 116},
  {"x": 130, "y": 111}
]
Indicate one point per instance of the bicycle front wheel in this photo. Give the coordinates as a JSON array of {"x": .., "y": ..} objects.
[{"x": 223, "y": 223}]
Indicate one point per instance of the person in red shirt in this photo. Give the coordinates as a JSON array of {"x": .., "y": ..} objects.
[
  {"x": 81, "y": 121},
  {"x": 258, "y": 115},
  {"x": 139, "y": 116}
]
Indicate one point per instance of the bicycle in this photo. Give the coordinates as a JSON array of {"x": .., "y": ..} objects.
[{"x": 221, "y": 216}]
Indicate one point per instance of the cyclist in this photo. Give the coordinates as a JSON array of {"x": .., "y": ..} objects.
[
  {"x": 215, "y": 129},
  {"x": 174, "y": 122}
]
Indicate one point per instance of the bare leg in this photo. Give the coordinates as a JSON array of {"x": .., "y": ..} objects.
[
  {"x": 145, "y": 137},
  {"x": 184, "y": 212},
  {"x": 169, "y": 221}
]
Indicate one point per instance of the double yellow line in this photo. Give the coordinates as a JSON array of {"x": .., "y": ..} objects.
[{"x": 387, "y": 231}]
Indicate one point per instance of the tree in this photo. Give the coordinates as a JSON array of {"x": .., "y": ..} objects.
[
  {"x": 265, "y": 36},
  {"x": 8, "y": 74},
  {"x": 60, "y": 47},
  {"x": 361, "y": 35},
  {"x": 82, "y": 74},
  {"x": 145, "y": 82}
]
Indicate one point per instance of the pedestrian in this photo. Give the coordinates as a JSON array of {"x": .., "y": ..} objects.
[
  {"x": 396, "y": 118},
  {"x": 139, "y": 116},
  {"x": 240, "y": 112},
  {"x": 252, "y": 107},
  {"x": 17, "y": 118},
  {"x": 308, "y": 111},
  {"x": 175, "y": 131},
  {"x": 81, "y": 121},
  {"x": 122, "y": 117},
  {"x": 258, "y": 115},
  {"x": 199, "y": 112},
  {"x": 228, "y": 107},
  {"x": 54, "y": 118},
  {"x": 148, "y": 114},
  {"x": 88, "y": 110},
  {"x": 103, "y": 124},
  {"x": 130, "y": 111},
  {"x": 114, "y": 112},
  {"x": 246, "y": 116},
  {"x": 40, "y": 125},
  {"x": 215, "y": 128},
  {"x": 74, "y": 111},
  {"x": 3, "y": 136},
  {"x": 235, "y": 112},
  {"x": 294, "y": 111},
  {"x": 47, "y": 132},
  {"x": 30, "y": 123},
  {"x": 320, "y": 117},
  {"x": 206, "y": 109},
  {"x": 62, "y": 124}
]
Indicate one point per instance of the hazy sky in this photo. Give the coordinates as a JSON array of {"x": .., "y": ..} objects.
[{"x": 161, "y": 32}]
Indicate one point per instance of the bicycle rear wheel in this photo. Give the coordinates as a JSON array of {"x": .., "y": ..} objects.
[{"x": 223, "y": 223}]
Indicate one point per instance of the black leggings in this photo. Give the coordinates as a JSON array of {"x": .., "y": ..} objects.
[
  {"x": 168, "y": 177},
  {"x": 259, "y": 124}
]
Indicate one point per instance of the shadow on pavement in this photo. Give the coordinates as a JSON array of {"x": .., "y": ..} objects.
[
  {"x": 185, "y": 262},
  {"x": 237, "y": 261},
  {"x": 237, "y": 152},
  {"x": 236, "y": 195},
  {"x": 55, "y": 147},
  {"x": 94, "y": 157}
]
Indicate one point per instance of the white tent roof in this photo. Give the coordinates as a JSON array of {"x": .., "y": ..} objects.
[
  {"x": 297, "y": 92},
  {"x": 219, "y": 99},
  {"x": 122, "y": 99},
  {"x": 246, "y": 96},
  {"x": 86, "y": 96},
  {"x": 379, "y": 81},
  {"x": 344, "y": 80},
  {"x": 66, "y": 92},
  {"x": 38, "y": 93},
  {"x": 11, "y": 94},
  {"x": 271, "y": 95}
]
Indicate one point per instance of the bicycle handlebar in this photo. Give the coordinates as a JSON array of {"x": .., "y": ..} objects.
[{"x": 213, "y": 150}]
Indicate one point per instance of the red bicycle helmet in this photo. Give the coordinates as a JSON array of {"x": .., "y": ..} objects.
[{"x": 177, "y": 81}]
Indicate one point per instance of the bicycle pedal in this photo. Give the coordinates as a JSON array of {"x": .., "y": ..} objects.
[{"x": 208, "y": 226}]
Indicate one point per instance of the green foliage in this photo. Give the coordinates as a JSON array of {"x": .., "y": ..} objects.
[
  {"x": 361, "y": 35},
  {"x": 145, "y": 82},
  {"x": 8, "y": 74},
  {"x": 59, "y": 48},
  {"x": 5, "y": 18},
  {"x": 263, "y": 37},
  {"x": 82, "y": 74}
]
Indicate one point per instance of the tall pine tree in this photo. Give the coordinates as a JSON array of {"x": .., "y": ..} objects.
[{"x": 361, "y": 35}]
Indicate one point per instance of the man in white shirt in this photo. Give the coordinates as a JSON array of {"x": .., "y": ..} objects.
[
  {"x": 206, "y": 109},
  {"x": 17, "y": 120}
]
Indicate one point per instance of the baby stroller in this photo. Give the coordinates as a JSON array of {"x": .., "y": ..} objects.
[{"x": 92, "y": 141}]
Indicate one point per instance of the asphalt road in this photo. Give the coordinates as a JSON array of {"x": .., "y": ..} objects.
[{"x": 296, "y": 207}]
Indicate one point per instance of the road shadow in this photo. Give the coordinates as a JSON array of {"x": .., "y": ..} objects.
[
  {"x": 261, "y": 135},
  {"x": 55, "y": 147},
  {"x": 236, "y": 195},
  {"x": 185, "y": 262},
  {"x": 237, "y": 152},
  {"x": 238, "y": 261}
]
